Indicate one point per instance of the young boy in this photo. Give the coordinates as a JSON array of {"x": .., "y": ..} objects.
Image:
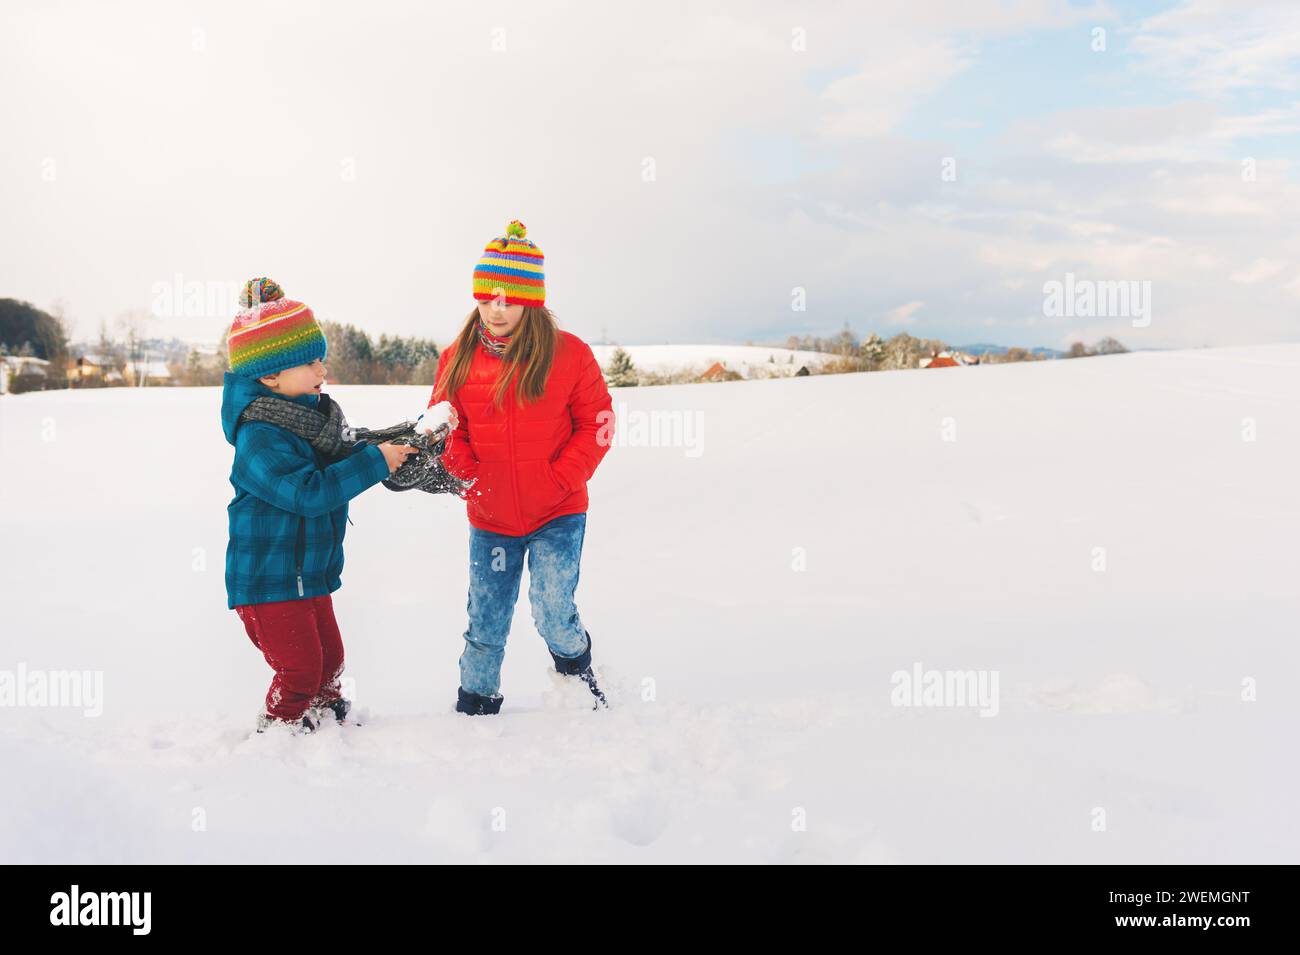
[{"x": 294, "y": 474}]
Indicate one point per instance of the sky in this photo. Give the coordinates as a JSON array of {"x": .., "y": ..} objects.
[{"x": 723, "y": 172}]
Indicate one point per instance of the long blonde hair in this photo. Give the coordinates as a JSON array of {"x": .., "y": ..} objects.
[{"x": 529, "y": 355}]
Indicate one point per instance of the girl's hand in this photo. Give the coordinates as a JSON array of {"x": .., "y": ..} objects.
[{"x": 395, "y": 454}]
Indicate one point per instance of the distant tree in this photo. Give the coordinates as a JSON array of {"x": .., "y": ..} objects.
[
  {"x": 392, "y": 351},
  {"x": 59, "y": 313},
  {"x": 132, "y": 325},
  {"x": 621, "y": 373},
  {"x": 1077, "y": 350},
  {"x": 845, "y": 343},
  {"x": 355, "y": 360},
  {"x": 351, "y": 354},
  {"x": 200, "y": 369},
  {"x": 901, "y": 351},
  {"x": 22, "y": 323},
  {"x": 1108, "y": 346},
  {"x": 110, "y": 352},
  {"x": 872, "y": 350},
  {"x": 426, "y": 372},
  {"x": 405, "y": 352}
]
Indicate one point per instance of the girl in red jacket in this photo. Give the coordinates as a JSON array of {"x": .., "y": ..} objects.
[{"x": 532, "y": 420}]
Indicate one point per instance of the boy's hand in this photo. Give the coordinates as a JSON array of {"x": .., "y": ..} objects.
[{"x": 395, "y": 454}]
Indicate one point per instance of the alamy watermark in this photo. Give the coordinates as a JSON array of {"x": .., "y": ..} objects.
[
  {"x": 658, "y": 428},
  {"x": 75, "y": 907},
  {"x": 180, "y": 298},
  {"x": 946, "y": 688},
  {"x": 1085, "y": 298},
  {"x": 75, "y": 689}
]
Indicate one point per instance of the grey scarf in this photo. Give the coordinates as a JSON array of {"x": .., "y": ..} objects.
[
  {"x": 322, "y": 427},
  {"x": 325, "y": 428}
]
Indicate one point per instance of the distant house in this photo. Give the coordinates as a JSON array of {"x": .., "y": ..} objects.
[
  {"x": 93, "y": 370},
  {"x": 148, "y": 373},
  {"x": 88, "y": 368},
  {"x": 16, "y": 366},
  {"x": 719, "y": 372},
  {"x": 948, "y": 359}
]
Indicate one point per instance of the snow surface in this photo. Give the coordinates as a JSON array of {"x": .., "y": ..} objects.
[
  {"x": 1120, "y": 689},
  {"x": 758, "y": 361}
]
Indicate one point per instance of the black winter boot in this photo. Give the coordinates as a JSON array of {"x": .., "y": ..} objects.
[
  {"x": 580, "y": 666},
  {"x": 339, "y": 709},
  {"x": 308, "y": 724},
  {"x": 474, "y": 704}
]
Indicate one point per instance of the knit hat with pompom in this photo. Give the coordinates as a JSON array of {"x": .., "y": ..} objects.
[
  {"x": 513, "y": 266},
  {"x": 271, "y": 333}
]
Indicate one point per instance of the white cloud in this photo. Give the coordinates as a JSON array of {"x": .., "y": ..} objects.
[
  {"x": 1218, "y": 46},
  {"x": 872, "y": 100},
  {"x": 1258, "y": 271},
  {"x": 904, "y": 314},
  {"x": 1188, "y": 131}
]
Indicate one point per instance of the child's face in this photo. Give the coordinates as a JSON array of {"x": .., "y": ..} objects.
[
  {"x": 500, "y": 318},
  {"x": 298, "y": 380}
]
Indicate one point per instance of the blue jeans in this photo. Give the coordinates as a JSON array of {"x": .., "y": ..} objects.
[{"x": 496, "y": 562}]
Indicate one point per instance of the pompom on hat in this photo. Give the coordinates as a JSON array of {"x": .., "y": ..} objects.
[
  {"x": 514, "y": 265},
  {"x": 271, "y": 333}
]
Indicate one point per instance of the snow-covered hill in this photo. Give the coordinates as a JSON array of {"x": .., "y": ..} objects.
[
  {"x": 750, "y": 361},
  {"x": 1113, "y": 536}
]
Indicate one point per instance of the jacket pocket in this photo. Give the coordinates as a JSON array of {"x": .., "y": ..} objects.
[
  {"x": 491, "y": 498},
  {"x": 540, "y": 491},
  {"x": 554, "y": 479}
]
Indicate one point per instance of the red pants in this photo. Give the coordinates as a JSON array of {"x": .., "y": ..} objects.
[{"x": 301, "y": 641}]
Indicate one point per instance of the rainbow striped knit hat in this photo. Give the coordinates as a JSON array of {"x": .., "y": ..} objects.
[
  {"x": 272, "y": 333},
  {"x": 514, "y": 265}
]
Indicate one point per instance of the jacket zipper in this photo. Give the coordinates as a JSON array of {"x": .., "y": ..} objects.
[
  {"x": 300, "y": 548},
  {"x": 514, "y": 467}
]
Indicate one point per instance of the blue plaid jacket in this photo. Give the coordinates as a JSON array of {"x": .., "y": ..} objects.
[{"x": 289, "y": 515}]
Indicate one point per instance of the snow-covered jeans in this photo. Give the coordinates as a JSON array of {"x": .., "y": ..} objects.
[
  {"x": 301, "y": 641},
  {"x": 496, "y": 562}
]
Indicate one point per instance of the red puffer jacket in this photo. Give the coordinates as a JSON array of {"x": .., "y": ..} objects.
[{"x": 531, "y": 461}]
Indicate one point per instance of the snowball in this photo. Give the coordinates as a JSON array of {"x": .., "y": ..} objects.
[{"x": 435, "y": 417}]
